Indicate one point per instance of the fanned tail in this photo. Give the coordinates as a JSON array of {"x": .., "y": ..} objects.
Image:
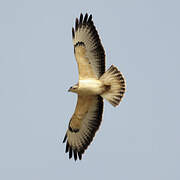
[{"x": 116, "y": 85}]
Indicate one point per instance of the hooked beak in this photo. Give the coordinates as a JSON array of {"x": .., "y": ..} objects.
[{"x": 69, "y": 89}]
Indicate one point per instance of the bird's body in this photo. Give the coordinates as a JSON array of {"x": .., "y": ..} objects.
[
  {"x": 90, "y": 87},
  {"x": 94, "y": 84}
]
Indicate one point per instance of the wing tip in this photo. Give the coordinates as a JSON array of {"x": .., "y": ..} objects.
[
  {"x": 82, "y": 20},
  {"x": 72, "y": 152},
  {"x": 90, "y": 18},
  {"x": 73, "y": 33},
  {"x": 76, "y": 24},
  {"x": 85, "y": 18},
  {"x": 65, "y": 137},
  {"x": 79, "y": 155}
]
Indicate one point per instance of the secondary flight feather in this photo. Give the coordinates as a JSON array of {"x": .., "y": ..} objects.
[{"x": 94, "y": 84}]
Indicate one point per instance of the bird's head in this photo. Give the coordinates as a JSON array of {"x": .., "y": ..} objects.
[{"x": 73, "y": 88}]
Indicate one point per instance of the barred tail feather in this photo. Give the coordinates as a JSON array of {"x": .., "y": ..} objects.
[{"x": 116, "y": 85}]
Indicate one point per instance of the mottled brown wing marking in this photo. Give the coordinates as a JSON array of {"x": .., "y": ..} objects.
[
  {"x": 83, "y": 104},
  {"x": 84, "y": 65}
]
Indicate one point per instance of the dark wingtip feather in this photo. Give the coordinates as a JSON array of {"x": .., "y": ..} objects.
[
  {"x": 90, "y": 18},
  {"x": 76, "y": 24},
  {"x": 81, "y": 19},
  {"x": 70, "y": 152},
  {"x": 67, "y": 147},
  {"x": 85, "y": 18},
  {"x": 79, "y": 155},
  {"x": 65, "y": 137},
  {"x": 73, "y": 34},
  {"x": 75, "y": 155}
]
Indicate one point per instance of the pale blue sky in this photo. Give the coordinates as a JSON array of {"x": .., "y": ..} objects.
[{"x": 139, "y": 140}]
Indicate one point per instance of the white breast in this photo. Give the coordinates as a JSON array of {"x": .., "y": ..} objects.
[{"x": 90, "y": 87}]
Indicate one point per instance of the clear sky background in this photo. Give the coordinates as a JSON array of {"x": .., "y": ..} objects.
[{"x": 138, "y": 140}]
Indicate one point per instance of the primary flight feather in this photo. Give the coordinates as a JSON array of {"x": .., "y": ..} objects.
[{"x": 94, "y": 84}]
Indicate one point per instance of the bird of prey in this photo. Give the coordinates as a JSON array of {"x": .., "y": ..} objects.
[{"x": 94, "y": 84}]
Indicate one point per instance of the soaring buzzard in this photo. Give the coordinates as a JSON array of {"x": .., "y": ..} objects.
[{"x": 94, "y": 85}]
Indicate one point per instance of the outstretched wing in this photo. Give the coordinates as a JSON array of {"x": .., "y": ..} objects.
[
  {"x": 89, "y": 52},
  {"x": 83, "y": 125}
]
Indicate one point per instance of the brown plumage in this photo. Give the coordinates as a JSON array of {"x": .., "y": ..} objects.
[{"x": 94, "y": 85}]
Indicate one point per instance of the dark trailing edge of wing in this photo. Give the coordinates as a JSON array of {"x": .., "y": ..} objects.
[
  {"x": 98, "y": 52},
  {"x": 94, "y": 125}
]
